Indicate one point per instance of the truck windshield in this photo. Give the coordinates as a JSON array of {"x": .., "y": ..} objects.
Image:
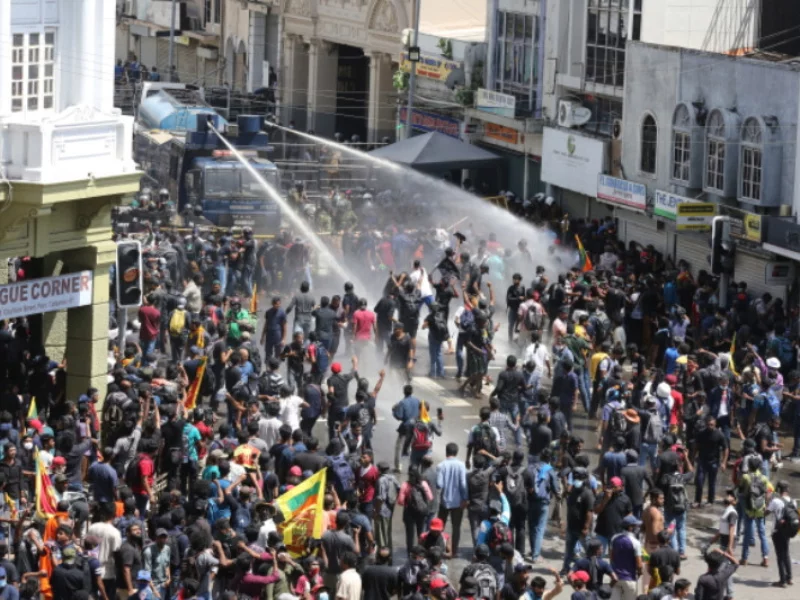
[{"x": 236, "y": 183}]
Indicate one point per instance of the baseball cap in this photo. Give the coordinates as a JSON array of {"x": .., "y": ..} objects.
[
  {"x": 296, "y": 471},
  {"x": 631, "y": 521},
  {"x": 773, "y": 363},
  {"x": 68, "y": 554},
  {"x": 143, "y": 575},
  {"x": 436, "y": 525},
  {"x": 616, "y": 482},
  {"x": 438, "y": 583},
  {"x": 580, "y": 576},
  {"x": 161, "y": 532},
  {"x": 336, "y": 367}
]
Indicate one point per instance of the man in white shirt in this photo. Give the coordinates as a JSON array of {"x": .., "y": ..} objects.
[
  {"x": 268, "y": 427},
  {"x": 349, "y": 585},
  {"x": 109, "y": 541},
  {"x": 537, "y": 353},
  {"x": 781, "y": 505},
  {"x": 419, "y": 277},
  {"x": 291, "y": 405}
]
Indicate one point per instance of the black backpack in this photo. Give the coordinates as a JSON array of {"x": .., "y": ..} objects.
[
  {"x": 484, "y": 439},
  {"x": 417, "y": 500},
  {"x": 790, "y": 522},
  {"x": 514, "y": 488},
  {"x": 133, "y": 474},
  {"x": 676, "y": 500},
  {"x": 189, "y": 568},
  {"x": 617, "y": 425}
]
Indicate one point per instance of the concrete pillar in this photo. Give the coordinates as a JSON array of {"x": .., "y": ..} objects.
[
  {"x": 323, "y": 74},
  {"x": 381, "y": 116},
  {"x": 294, "y": 86},
  {"x": 5, "y": 63},
  {"x": 87, "y": 333},
  {"x": 105, "y": 40},
  {"x": 54, "y": 324},
  {"x": 256, "y": 45}
]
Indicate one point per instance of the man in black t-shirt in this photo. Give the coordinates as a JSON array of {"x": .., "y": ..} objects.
[
  {"x": 611, "y": 508},
  {"x": 580, "y": 504},
  {"x": 664, "y": 559},
  {"x": 400, "y": 353},
  {"x": 712, "y": 451}
]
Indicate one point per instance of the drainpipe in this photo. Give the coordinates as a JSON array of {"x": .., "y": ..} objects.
[{"x": 540, "y": 51}]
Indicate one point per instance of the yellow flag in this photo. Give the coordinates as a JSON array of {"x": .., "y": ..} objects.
[
  {"x": 33, "y": 413},
  {"x": 423, "y": 413},
  {"x": 254, "y": 299},
  {"x": 303, "y": 513},
  {"x": 733, "y": 349}
]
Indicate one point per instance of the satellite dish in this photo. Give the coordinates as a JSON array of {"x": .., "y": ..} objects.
[{"x": 580, "y": 115}]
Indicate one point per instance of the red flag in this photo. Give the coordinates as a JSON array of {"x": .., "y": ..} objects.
[
  {"x": 192, "y": 393},
  {"x": 46, "y": 502},
  {"x": 254, "y": 299}
]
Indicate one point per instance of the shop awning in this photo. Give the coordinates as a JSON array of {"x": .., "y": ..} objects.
[{"x": 436, "y": 152}]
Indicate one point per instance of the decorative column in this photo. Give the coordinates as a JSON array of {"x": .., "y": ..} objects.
[
  {"x": 313, "y": 83},
  {"x": 323, "y": 72},
  {"x": 381, "y": 110},
  {"x": 255, "y": 50},
  {"x": 87, "y": 326}
]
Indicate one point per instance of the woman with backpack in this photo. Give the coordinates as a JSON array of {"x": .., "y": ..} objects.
[{"x": 415, "y": 497}]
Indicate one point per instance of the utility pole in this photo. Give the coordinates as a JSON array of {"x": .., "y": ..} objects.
[
  {"x": 171, "y": 39},
  {"x": 412, "y": 84}
]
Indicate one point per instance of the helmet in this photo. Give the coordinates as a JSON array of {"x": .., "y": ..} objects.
[
  {"x": 146, "y": 190},
  {"x": 337, "y": 137},
  {"x": 247, "y": 231},
  {"x": 355, "y": 138},
  {"x": 663, "y": 390},
  {"x": 163, "y": 192}
]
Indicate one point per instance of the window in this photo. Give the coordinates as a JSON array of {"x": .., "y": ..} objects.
[
  {"x": 606, "y": 34},
  {"x": 647, "y": 164},
  {"x": 681, "y": 145},
  {"x": 715, "y": 148},
  {"x": 515, "y": 58},
  {"x": 752, "y": 153},
  {"x": 32, "y": 71}
]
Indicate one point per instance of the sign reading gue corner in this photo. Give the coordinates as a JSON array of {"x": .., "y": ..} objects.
[{"x": 48, "y": 294}]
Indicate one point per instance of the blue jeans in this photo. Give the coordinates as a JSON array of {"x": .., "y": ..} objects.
[
  {"x": 149, "y": 346},
  {"x": 649, "y": 454},
  {"x": 512, "y": 410},
  {"x": 584, "y": 387},
  {"x": 678, "y": 540},
  {"x": 538, "y": 512},
  {"x": 437, "y": 359},
  {"x": 573, "y": 539},
  {"x": 706, "y": 470},
  {"x": 222, "y": 276},
  {"x": 749, "y": 524}
]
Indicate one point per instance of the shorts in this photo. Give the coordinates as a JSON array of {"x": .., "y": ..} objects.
[{"x": 411, "y": 327}]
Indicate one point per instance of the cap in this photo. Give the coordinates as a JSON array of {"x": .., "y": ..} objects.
[
  {"x": 522, "y": 567},
  {"x": 59, "y": 460},
  {"x": 616, "y": 482},
  {"x": 161, "y": 532},
  {"x": 438, "y": 583},
  {"x": 773, "y": 363},
  {"x": 671, "y": 379},
  {"x": 143, "y": 575},
  {"x": 336, "y": 367},
  {"x": 663, "y": 390},
  {"x": 296, "y": 471},
  {"x": 631, "y": 521},
  {"x": 579, "y": 576},
  {"x": 436, "y": 525},
  {"x": 68, "y": 554}
]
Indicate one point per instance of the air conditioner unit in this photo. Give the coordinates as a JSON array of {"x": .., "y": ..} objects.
[
  {"x": 616, "y": 148},
  {"x": 565, "y": 113},
  {"x": 195, "y": 23}
]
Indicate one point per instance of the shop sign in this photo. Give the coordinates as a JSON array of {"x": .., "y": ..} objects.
[
  {"x": 48, "y": 294},
  {"x": 426, "y": 121},
  {"x": 501, "y": 133},
  {"x": 496, "y": 103},
  {"x": 695, "y": 216},
  {"x": 430, "y": 67},
  {"x": 666, "y": 204},
  {"x": 779, "y": 273},
  {"x": 572, "y": 161},
  {"x": 783, "y": 233},
  {"x": 622, "y": 192},
  {"x": 751, "y": 227}
]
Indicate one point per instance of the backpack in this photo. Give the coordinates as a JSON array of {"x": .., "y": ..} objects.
[
  {"x": 541, "y": 482},
  {"x": 177, "y": 323},
  {"x": 677, "y": 502},
  {"x": 189, "y": 568},
  {"x": 466, "y": 320},
  {"x": 82, "y": 565},
  {"x": 417, "y": 500},
  {"x": 486, "y": 577},
  {"x": 484, "y": 439},
  {"x": 533, "y": 319},
  {"x": 133, "y": 474},
  {"x": 498, "y": 535},
  {"x": 756, "y": 494},
  {"x": 323, "y": 358},
  {"x": 421, "y": 440},
  {"x": 790, "y": 523},
  {"x": 617, "y": 424},
  {"x": 343, "y": 477},
  {"x": 393, "y": 487},
  {"x": 654, "y": 431},
  {"x": 397, "y": 411},
  {"x": 213, "y": 511},
  {"x": 600, "y": 329},
  {"x": 514, "y": 488}
]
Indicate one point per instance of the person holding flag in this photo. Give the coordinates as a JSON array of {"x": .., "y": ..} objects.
[
  {"x": 422, "y": 434},
  {"x": 584, "y": 262}
]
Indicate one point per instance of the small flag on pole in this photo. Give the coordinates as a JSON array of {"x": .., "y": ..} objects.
[
  {"x": 33, "y": 413},
  {"x": 423, "y": 412},
  {"x": 190, "y": 402},
  {"x": 46, "y": 502},
  {"x": 733, "y": 349}
]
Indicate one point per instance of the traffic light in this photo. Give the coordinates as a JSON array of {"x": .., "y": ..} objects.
[
  {"x": 129, "y": 273},
  {"x": 723, "y": 250}
]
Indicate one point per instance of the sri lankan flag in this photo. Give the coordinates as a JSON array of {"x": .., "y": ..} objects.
[
  {"x": 46, "y": 502},
  {"x": 585, "y": 261},
  {"x": 193, "y": 392},
  {"x": 302, "y": 509},
  {"x": 254, "y": 299}
]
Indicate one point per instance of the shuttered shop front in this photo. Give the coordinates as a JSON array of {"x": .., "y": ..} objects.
[
  {"x": 753, "y": 269},
  {"x": 694, "y": 249},
  {"x": 643, "y": 230}
]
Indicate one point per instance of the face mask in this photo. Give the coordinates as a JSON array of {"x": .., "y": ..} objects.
[
  {"x": 28, "y": 445},
  {"x": 577, "y": 484},
  {"x": 2, "y": 583},
  {"x": 314, "y": 570}
]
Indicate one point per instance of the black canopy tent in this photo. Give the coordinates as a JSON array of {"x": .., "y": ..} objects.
[{"x": 437, "y": 152}]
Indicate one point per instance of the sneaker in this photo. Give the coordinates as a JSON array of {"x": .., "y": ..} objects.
[
  {"x": 765, "y": 563},
  {"x": 743, "y": 563}
]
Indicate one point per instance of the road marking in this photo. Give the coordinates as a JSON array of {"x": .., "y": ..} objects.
[
  {"x": 323, "y": 420},
  {"x": 456, "y": 403},
  {"x": 471, "y": 417}
]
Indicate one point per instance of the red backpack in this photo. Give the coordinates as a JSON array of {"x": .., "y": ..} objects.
[{"x": 422, "y": 437}]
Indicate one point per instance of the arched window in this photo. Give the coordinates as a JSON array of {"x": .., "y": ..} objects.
[
  {"x": 715, "y": 152},
  {"x": 752, "y": 154},
  {"x": 647, "y": 163},
  {"x": 681, "y": 145}
]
